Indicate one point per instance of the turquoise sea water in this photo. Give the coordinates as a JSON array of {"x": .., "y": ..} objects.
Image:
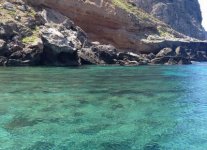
[{"x": 104, "y": 108}]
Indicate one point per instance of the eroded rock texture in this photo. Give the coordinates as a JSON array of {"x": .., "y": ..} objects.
[
  {"x": 182, "y": 15},
  {"x": 110, "y": 22}
]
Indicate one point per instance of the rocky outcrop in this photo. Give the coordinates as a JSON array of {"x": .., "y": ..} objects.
[
  {"x": 43, "y": 36},
  {"x": 155, "y": 44},
  {"x": 182, "y": 15},
  {"x": 107, "y": 54},
  {"x": 120, "y": 23},
  {"x": 114, "y": 22},
  {"x": 171, "y": 57}
]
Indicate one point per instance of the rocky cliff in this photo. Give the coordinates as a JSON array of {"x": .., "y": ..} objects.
[
  {"x": 115, "y": 22},
  {"x": 40, "y": 33},
  {"x": 43, "y": 36},
  {"x": 182, "y": 15}
]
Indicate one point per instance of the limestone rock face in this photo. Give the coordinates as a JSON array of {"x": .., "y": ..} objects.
[
  {"x": 46, "y": 37},
  {"x": 106, "y": 22},
  {"x": 58, "y": 42},
  {"x": 110, "y": 23},
  {"x": 182, "y": 15}
]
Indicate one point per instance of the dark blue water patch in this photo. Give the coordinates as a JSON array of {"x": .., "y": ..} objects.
[
  {"x": 20, "y": 122},
  {"x": 41, "y": 146},
  {"x": 117, "y": 106},
  {"x": 123, "y": 145},
  {"x": 93, "y": 129},
  {"x": 78, "y": 114},
  {"x": 152, "y": 146},
  {"x": 83, "y": 102}
]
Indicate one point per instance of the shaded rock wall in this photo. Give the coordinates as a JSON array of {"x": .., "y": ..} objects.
[{"x": 182, "y": 15}]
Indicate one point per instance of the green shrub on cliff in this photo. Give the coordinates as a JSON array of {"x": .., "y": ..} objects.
[
  {"x": 32, "y": 38},
  {"x": 123, "y": 4}
]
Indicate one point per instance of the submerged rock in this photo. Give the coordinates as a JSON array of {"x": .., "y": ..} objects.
[
  {"x": 41, "y": 146},
  {"x": 20, "y": 122},
  {"x": 125, "y": 145},
  {"x": 152, "y": 146}
]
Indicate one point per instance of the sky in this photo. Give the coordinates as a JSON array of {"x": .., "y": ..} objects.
[{"x": 203, "y": 4}]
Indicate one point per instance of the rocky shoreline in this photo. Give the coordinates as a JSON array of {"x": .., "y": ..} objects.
[{"x": 44, "y": 37}]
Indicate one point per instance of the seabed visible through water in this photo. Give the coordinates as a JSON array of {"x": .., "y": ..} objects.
[{"x": 104, "y": 108}]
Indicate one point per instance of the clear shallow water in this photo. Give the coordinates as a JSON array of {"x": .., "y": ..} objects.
[{"x": 104, "y": 108}]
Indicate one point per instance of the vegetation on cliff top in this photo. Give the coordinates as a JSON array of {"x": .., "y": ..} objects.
[
  {"x": 162, "y": 29},
  {"x": 130, "y": 8},
  {"x": 31, "y": 39},
  {"x": 20, "y": 17}
]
